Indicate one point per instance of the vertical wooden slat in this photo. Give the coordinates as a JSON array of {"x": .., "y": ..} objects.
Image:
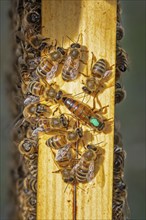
[{"x": 96, "y": 21}]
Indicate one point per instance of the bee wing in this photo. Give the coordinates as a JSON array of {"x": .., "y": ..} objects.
[
  {"x": 107, "y": 74},
  {"x": 31, "y": 99},
  {"x": 51, "y": 73},
  {"x": 35, "y": 132},
  {"x": 62, "y": 152},
  {"x": 67, "y": 63},
  {"x": 90, "y": 174}
]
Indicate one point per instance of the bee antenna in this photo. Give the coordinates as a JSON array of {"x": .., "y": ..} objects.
[
  {"x": 66, "y": 188},
  {"x": 70, "y": 38},
  {"x": 81, "y": 188}
]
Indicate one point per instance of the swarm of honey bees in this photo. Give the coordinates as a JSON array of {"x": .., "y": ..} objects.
[{"x": 38, "y": 62}]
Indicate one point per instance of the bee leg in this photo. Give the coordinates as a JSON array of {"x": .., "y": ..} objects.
[
  {"x": 101, "y": 109},
  {"x": 57, "y": 109},
  {"x": 56, "y": 171},
  {"x": 93, "y": 60},
  {"x": 84, "y": 74},
  {"x": 98, "y": 101},
  {"x": 83, "y": 62}
]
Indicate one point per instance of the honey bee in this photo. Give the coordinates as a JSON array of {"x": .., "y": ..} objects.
[
  {"x": 122, "y": 59},
  {"x": 36, "y": 88},
  {"x": 65, "y": 156},
  {"x": 119, "y": 157},
  {"x": 68, "y": 175},
  {"x": 38, "y": 42},
  {"x": 30, "y": 183},
  {"x": 51, "y": 123},
  {"x": 49, "y": 64},
  {"x": 59, "y": 141},
  {"x": 30, "y": 201},
  {"x": 119, "y": 31},
  {"x": 96, "y": 83},
  {"x": 120, "y": 93},
  {"x": 84, "y": 170},
  {"x": 27, "y": 147},
  {"x": 33, "y": 112},
  {"x": 83, "y": 112},
  {"x": 71, "y": 65},
  {"x": 118, "y": 208}
]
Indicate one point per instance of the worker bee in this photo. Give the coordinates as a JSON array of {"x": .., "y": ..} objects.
[
  {"x": 30, "y": 201},
  {"x": 119, "y": 31},
  {"x": 49, "y": 64},
  {"x": 65, "y": 156},
  {"x": 84, "y": 170},
  {"x": 71, "y": 65},
  {"x": 36, "y": 88},
  {"x": 120, "y": 93},
  {"x": 59, "y": 141},
  {"x": 33, "y": 112},
  {"x": 28, "y": 147},
  {"x": 118, "y": 208},
  {"x": 119, "y": 188},
  {"x": 30, "y": 183},
  {"x": 122, "y": 59},
  {"x": 51, "y": 123},
  {"x": 38, "y": 42},
  {"x": 68, "y": 175},
  {"x": 96, "y": 83},
  {"x": 119, "y": 157}
]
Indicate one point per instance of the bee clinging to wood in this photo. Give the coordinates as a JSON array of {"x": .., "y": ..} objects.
[
  {"x": 84, "y": 170},
  {"x": 71, "y": 65},
  {"x": 27, "y": 147},
  {"x": 49, "y": 63},
  {"x": 122, "y": 59},
  {"x": 95, "y": 84},
  {"x": 120, "y": 93},
  {"x": 119, "y": 157},
  {"x": 119, "y": 31},
  {"x": 59, "y": 141}
]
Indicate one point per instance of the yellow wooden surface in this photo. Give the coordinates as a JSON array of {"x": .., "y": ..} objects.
[{"x": 95, "y": 22}]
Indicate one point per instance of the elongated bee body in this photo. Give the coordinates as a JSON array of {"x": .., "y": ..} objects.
[
  {"x": 84, "y": 169},
  {"x": 71, "y": 65},
  {"x": 59, "y": 141},
  {"x": 84, "y": 113},
  {"x": 122, "y": 59},
  {"x": 120, "y": 93},
  {"x": 49, "y": 64}
]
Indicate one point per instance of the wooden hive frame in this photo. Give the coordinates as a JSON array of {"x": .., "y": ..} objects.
[{"x": 96, "y": 22}]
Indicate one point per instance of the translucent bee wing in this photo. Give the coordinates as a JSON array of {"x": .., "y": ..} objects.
[
  {"x": 67, "y": 63},
  {"x": 51, "y": 73},
  {"x": 35, "y": 132},
  {"x": 62, "y": 152},
  {"x": 126, "y": 210},
  {"x": 31, "y": 99},
  {"x": 90, "y": 174},
  {"x": 107, "y": 73}
]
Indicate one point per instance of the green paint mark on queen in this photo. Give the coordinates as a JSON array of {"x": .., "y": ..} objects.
[{"x": 94, "y": 122}]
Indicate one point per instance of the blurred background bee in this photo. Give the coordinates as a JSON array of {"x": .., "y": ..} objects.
[{"x": 120, "y": 93}]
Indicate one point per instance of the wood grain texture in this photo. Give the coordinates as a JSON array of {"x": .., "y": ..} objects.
[{"x": 95, "y": 22}]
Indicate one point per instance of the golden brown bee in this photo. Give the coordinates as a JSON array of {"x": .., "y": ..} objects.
[
  {"x": 65, "y": 156},
  {"x": 33, "y": 112},
  {"x": 51, "y": 123},
  {"x": 83, "y": 112},
  {"x": 30, "y": 201},
  {"x": 118, "y": 208},
  {"x": 120, "y": 93},
  {"x": 84, "y": 170},
  {"x": 49, "y": 64},
  {"x": 38, "y": 42},
  {"x": 36, "y": 88},
  {"x": 100, "y": 69},
  {"x": 122, "y": 59},
  {"x": 28, "y": 147},
  {"x": 68, "y": 175},
  {"x": 59, "y": 141},
  {"x": 119, "y": 31},
  {"x": 119, "y": 157},
  {"x": 30, "y": 183},
  {"x": 71, "y": 65}
]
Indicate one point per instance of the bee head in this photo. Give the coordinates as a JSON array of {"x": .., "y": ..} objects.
[
  {"x": 61, "y": 50},
  {"x": 75, "y": 45}
]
